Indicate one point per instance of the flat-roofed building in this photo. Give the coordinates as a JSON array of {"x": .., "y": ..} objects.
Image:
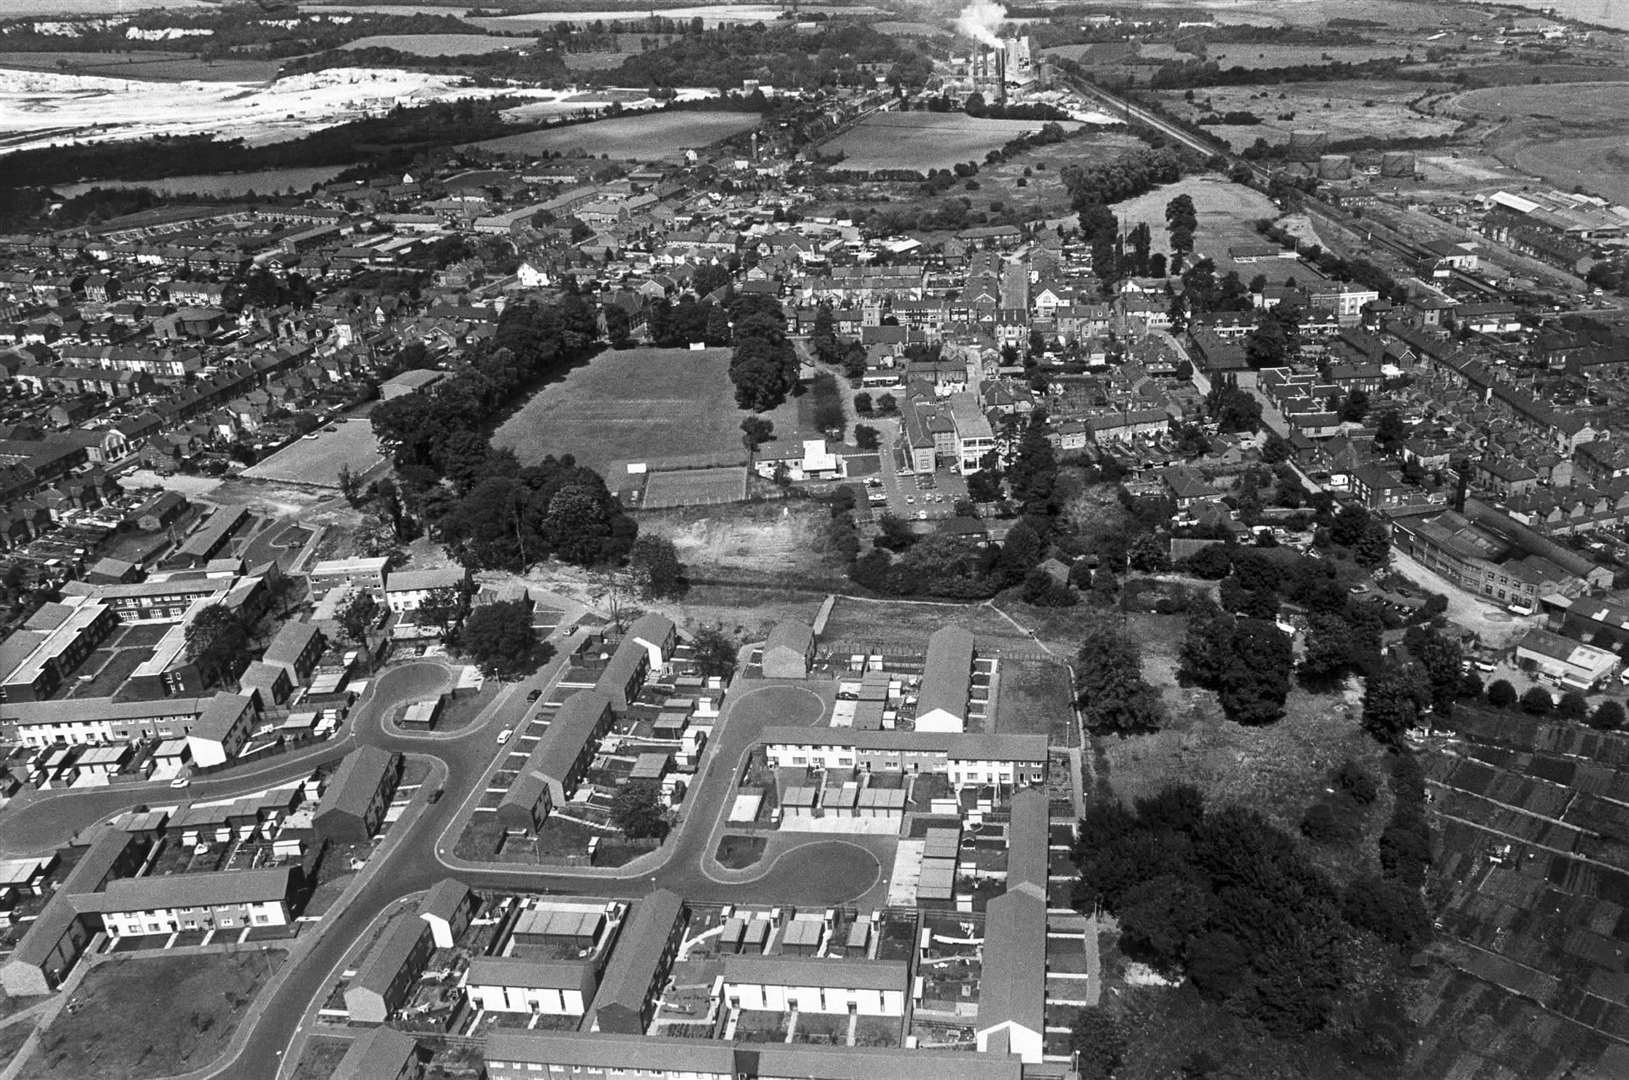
[
  {"x": 557, "y": 762},
  {"x": 53, "y": 641},
  {"x": 1571, "y": 663},
  {"x": 361, "y": 573}
]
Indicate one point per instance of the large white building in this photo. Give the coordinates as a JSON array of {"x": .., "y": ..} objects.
[
  {"x": 966, "y": 760},
  {"x": 810, "y": 985}
]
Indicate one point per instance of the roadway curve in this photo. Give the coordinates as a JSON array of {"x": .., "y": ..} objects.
[{"x": 416, "y": 852}]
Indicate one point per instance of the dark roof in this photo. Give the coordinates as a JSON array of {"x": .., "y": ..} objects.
[
  {"x": 818, "y": 971},
  {"x": 196, "y": 890},
  {"x": 389, "y": 953},
  {"x": 1012, "y": 987},
  {"x": 790, "y": 634},
  {"x": 947, "y": 672},
  {"x": 352, "y": 785},
  {"x": 378, "y": 1054},
  {"x": 444, "y": 898},
  {"x": 1027, "y": 838},
  {"x": 628, "y": 976},
  {"x": 531, "y": 974},
  {"x": 559, "y": 746}
]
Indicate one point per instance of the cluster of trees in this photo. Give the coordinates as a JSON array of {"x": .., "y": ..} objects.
[
  {"x": 501, "y": 640},
  {"x": 690, "y": 321},
  {"x": 490, "y": 512},
  {"x": 226, "y": 32},
  {"x": 1246, "y": 660},
  {"x": 1113, "y": 696},
  {"x": 1180, "y": 75},
  {"x": 764, "y": 366},
  {"x": 1232, "y": 409},
  {"x": 1359, "y": 270},
  {"x": 217, "y": 641},
  {"x": 394, "y": 138},
  {"x": 976, "y": 106},
  {"x": 827, "y": 401},
  {"x": 1536, "y": 701},
  {"x": 836, "y": 54},
  {"x": 637, "y": 810},
  {"x": 1133, "y": 173},
  {"x": 1224, "y": 899}
]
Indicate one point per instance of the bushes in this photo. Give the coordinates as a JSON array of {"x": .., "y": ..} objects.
[
  {"x": 1501, "y": 695},
  {"x": 1109, "y": 685}
]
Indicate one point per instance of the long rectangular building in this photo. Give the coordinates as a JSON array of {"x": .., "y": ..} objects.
[
  {"x": 968, "y": 760},
  {"x": 215, "y": 727},
  {"x": 557, "y": 762},
  {"x": 528, "y": 1055}
]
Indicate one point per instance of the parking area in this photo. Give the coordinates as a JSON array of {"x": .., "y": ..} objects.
[{"x": 914, "y": 496}]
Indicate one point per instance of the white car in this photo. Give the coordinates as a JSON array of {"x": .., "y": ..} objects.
[
  {"x": 180, "y": 782},
  {"x": 503, "y": 736}
]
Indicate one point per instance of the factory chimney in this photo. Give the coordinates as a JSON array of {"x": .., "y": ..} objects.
[{"x": 1001, "y": 77}]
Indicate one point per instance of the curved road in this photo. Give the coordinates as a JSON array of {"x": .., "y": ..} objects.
[{"x": 416, "y": 852}]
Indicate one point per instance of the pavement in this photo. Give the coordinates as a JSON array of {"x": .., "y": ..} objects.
[{"x": 417, "y": 849}]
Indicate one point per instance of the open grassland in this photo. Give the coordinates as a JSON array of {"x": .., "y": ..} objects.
[
  {"x": 1567, "y": 134},
  {"x": 441, "y": 44},
  {"x": 656, "y": 406},
  {"x": 657, "y": 137},
  {"x": 924, "y": 140},
  {"x": 156, "y": 66},
  {"x": 1227, "y": 215},
  {"x": 317, "y": 461},
  {"x": 120, "y": 1035},
  {"x": 756, "y": 538},
  {"x": 1264, "y": 56},
  {"x": 1345, "y": 108},
  {"x": 1593, "y": 107}
]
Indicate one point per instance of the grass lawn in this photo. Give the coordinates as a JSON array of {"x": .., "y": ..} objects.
[
  {"x": 462, "y": 709},
  {"x": 321, "y": 1058},
  {"x": 438, "y": 44},
  {"x": 141, "y": 634},
  {"x": 317, "y": 461},
  {"x": 12, "y": 1038},
  {"x": 740, "y": 852},
  {"x": 669, "y": 406},
  {"x": 113, "y": 673},
  {"x": 858, "y": 622},
  {"x": 119, "y": 1035},
  {"x": 924, "y": 140},
  {"x": 1033, "y": 699},
  {"x": 654, "y": 137}
]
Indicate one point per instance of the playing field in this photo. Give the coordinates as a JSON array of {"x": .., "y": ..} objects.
[
  {"x": 656, "y": 137},
  {"x": 657, "y": 406},
  {"x": 695, "y": 487},
  {"x": 317, "y": 461},
  {"x": 924, "y": 140}
]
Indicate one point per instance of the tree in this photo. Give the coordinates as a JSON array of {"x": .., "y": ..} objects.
[
  {"x": 1442, "y": 659},
  {"x": 862, "y": 404},
  {"x": 501, "y": 640},
  {"x": 217, "y": 640},
  {"x": 1275, "y": 449},
  {"x": 1329, "y": 650},
  {"x": 654, "y": 563},
  {"x": 441, "y": 608},
  {"x": 867, "y": 437},
  {"x": 1099, "y": 1042},
  {"x": 1536, "y": 701},
  {"x": 824, "y": 335},
  {"x": 356, "y": 618},
  {"x": 1501, "y": 695},
  {"x": 1355, "y": 407},
  {"x": 1149, "y": 555},
  {"x": 1389, "y": 432},
  {"x": 755, "y": 431},
  {"x": 1109, "y": 686},
  {"x": 1608, "y": 716},
  {"x": 1391, "y": 704},
  {"x": 637, "y": 810},
  {"x": 714, "y": 652},
  {"x": 886, "y": 405},
  {"x": 350, "y": 486},
  {"x": 1181, "y": 221}
]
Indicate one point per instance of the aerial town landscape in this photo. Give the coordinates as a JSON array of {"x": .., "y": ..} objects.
[{"x": 814, "y": 541}]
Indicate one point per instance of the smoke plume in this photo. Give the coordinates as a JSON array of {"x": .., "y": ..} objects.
[{"x": 979, "y": 21}]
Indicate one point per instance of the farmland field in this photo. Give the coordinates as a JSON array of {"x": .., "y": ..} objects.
[
  {"x": 317, "y": 461},
  {"x": 440, "y": 44},
  {"x": 923, "y": 140},
  {"x": 157, "y": 66},
  {"x": 1346, "y": 109},
  {"x": 1584, "y": 107},
  {"x": 1278, "y": 56},
  {"x": 659, "y": 136},
  {"x": 650, "y": 405}
]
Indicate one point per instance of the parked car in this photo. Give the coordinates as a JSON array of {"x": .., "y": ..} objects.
[
  {"x": 533, "y": 696},
  {"x": 503, "y": 736}
]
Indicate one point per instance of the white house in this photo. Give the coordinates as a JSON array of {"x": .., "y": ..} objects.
[{"x": 812, "y": 985}]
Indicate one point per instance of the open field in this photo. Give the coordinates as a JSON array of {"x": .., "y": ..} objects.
[
  {"x": 1227, "y": 215},
  {"x": 1346, "y": 109},
  {"x": 633, "y": 405},
  {"x": 761, "y": 538},
  {"x": 1264, "y": 56},
  {"x": 1279, "y": 769},
  {"x": 156, "y": 66},
  {"x": 656, "y": 137},
  {"x": 1573, "y": 107},
  {"x": 119, "y": 1035},
  {"x": 321, "y": 1058},
  {"x": 923, "y": 140},
  {"x": 440, "y": 44},
  {"x": 695, "y": 487},
  {"x": 1599, "y": 165},
  {"x": 1033, "y": 699},
  {"x": 317, "y": 461}
]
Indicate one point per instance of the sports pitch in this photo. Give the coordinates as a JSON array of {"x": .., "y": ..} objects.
[{"x": 668, "y": 408}]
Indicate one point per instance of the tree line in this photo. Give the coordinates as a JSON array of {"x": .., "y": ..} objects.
[{"x": 485, "y": 507}]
